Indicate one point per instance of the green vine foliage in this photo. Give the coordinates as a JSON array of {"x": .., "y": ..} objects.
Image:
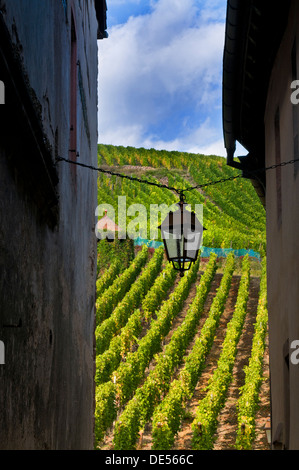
[
  {"x": 249, "y": 394},
  {"x": 158, "y": 382},
  {"x": 205, "y": 423},
  {"x": 138, "y": 299},
  {"x": 232, "y": 211},
  {"x": 106, "y": 303},
  {"x": 121, "y": 345},
  {"x": 168, "y": 414},
  {"x": 111, "y": 326}
]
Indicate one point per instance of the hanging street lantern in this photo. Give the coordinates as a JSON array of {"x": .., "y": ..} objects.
[{"x": 181, "y": 233}]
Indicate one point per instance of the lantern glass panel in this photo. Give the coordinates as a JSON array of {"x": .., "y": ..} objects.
[
  {"x": 174, "y": 245},
  {"x": 192, "y": 244}
]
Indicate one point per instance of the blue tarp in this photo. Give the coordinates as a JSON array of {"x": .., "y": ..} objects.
[
  {"x": 223, "y": 252},
  {"x": 205, "y": 251}
]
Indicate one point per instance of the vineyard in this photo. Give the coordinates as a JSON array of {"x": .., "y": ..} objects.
[
  {"x": 232, "y": 213},
  {"x": 180, "y": 362}
]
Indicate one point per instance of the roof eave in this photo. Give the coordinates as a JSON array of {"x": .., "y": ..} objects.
[
  {"x": 253, "y": 34},
  {"x": 101, "y": 12}
]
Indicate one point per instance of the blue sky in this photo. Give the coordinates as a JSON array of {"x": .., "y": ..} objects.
[{"x": 160, "y": 75}]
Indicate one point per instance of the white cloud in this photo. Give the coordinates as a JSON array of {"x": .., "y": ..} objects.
[
  {"x": 122, "y": 2},
  {"x": 123, "y": 135},
  {"x": 161, "y": 67},
  {"x": 215, "y": 148},
  {"x": 204, "y": 140}
]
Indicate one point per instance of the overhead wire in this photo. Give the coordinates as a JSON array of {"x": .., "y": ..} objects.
[{"x": 248, "y": 172}]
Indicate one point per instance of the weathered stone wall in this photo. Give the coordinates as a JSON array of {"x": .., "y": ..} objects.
[
  {"x": 47, "y": 274},
  {"x": 282, "y": 199}
]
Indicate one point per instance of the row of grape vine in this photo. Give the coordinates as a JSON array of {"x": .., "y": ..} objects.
[{"x": 134, "y": 370}]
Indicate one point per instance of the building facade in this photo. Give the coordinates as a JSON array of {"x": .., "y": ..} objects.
[
  {"x": 260, "y": 110},
  {"x": 48, "y": 70}
]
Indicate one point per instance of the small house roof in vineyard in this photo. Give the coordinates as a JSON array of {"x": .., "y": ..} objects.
[{"x": 105, "y": 223}]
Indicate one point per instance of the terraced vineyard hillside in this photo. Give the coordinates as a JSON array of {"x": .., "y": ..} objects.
[
  {"x": 181, "y": 363},
  {"x": 232, "y": 212}
]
